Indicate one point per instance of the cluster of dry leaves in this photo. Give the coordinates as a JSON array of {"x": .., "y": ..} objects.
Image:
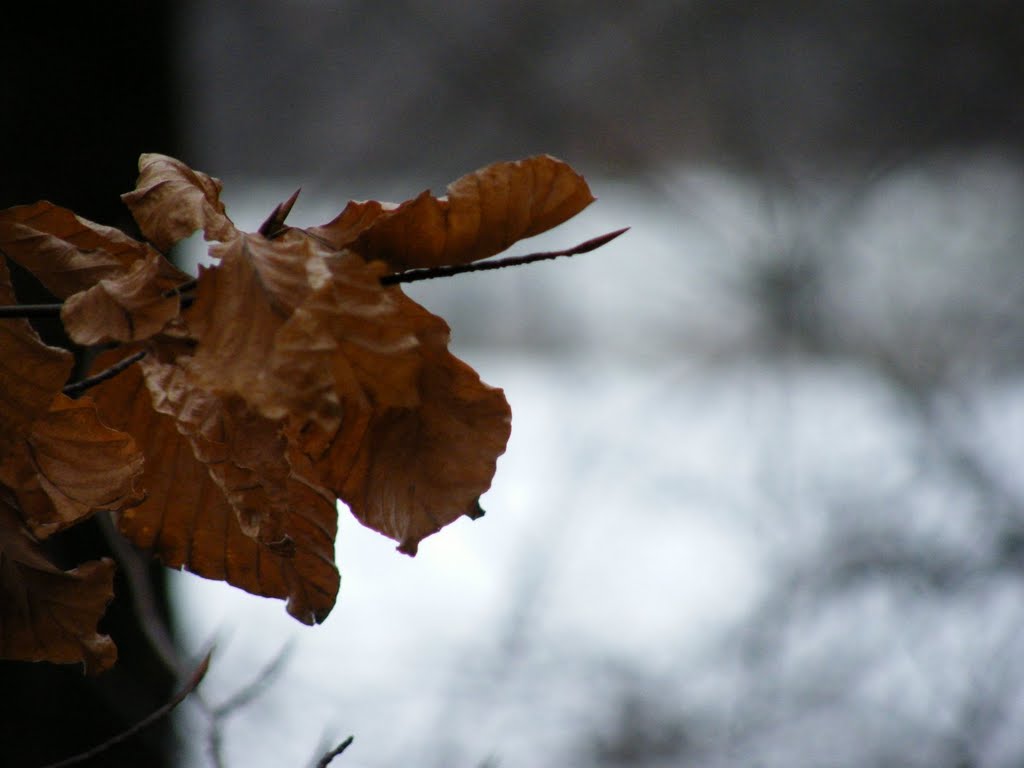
[{"x": 284, "y": 378}]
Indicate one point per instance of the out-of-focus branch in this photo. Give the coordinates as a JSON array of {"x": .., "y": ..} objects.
[
  {"x": 329, "y": 756},
  {"x": 216, "y": 715},
  {"x": 190, "y": 685}
]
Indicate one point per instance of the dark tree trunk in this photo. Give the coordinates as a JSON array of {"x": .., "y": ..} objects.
[{"x": 87, "y": 87}]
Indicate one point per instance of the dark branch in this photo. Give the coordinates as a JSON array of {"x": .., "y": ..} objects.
[
  {"x": 31, "y": 310},
  {"x": 218, "y": 714},
  {"x": 326, "y": 759},
  {"x": 408, "y": 276},
  {"x": 71, "y": 390},
  {"x": 263, "y": 679},
  {"x": 415, "y": 275},
  {"x": 190, "y": 685}
]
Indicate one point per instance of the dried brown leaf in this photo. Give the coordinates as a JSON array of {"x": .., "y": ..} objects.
[
  {"x": 350, "y": 343},
  {"x": 241, "y": 302},
  {"x": 312, "y": 336},
  {"x": 483, "y": 214},
  {"x": 419, "y": 469},
  {"x": 243, "y": 451},
  {"x": 47, "y": 614},
  {"x": 187, "y": 522},
  {"x": 130, "y": 307},
  {"x": 408, "y": 468},
  {"x": 65, "y": 252},
  {"x": 31, "y": 373},
  {"x": 70, "y": 466},
  {"x": 354, "y": 219},
  {"x": 171, "y": 201}
]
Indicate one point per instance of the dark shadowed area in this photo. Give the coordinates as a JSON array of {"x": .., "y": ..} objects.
[{"x": 84, "y": 92}]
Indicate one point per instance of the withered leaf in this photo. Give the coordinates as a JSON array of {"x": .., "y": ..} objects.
[
  {"x": 483, "y": 213},
  {"x": 408, "y": 456},
  {"x": 70, "y": 466},
  {"x": 31, "y": 373},
  {"x": 114, "y": 285},
  {"x": 295, "y": 378},
  {"x": 243, "y": 451},
  {"x": 407, "y": 470},
  {"x": 240, "y": 304},
  {"x": 349, "y": 345},
  {"x": 47, "y": 614},
  {"x": 355, "y": 218},
  {"x": 130, "y": 307},
  {"x": 65, "y": 252},
  {"x": 188, "y": 523},
  {"x": 293, "y": 326},
  {"x": 171, "y": 201}
]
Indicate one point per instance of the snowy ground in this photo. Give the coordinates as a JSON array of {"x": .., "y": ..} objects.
[{"x": 662, "y": 471}]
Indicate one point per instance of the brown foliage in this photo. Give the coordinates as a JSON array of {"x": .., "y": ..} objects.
[{"x": 291, "y": 378}]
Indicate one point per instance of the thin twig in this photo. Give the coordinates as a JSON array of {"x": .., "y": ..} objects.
[
  {"x": 415, "y": 275},
  {"x": 217, "y": 714},
  {"x": 144, "y": 601},
  {"x": 264, "y": 678},
  {"x": 30, "y": 310},
  {"x": 190, "y": 685},
  {"x": 80, "y": 386},
  {"x": 408, "y": 276},
  {"x": 327, "y": 758}
]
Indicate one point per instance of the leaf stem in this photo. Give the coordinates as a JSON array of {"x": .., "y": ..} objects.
[
  {"x": 429, "y": 273},
  {"x": 71, "y": 390}
]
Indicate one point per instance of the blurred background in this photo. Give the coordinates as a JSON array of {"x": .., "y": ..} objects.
[{"x": 761, "y": 504}]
